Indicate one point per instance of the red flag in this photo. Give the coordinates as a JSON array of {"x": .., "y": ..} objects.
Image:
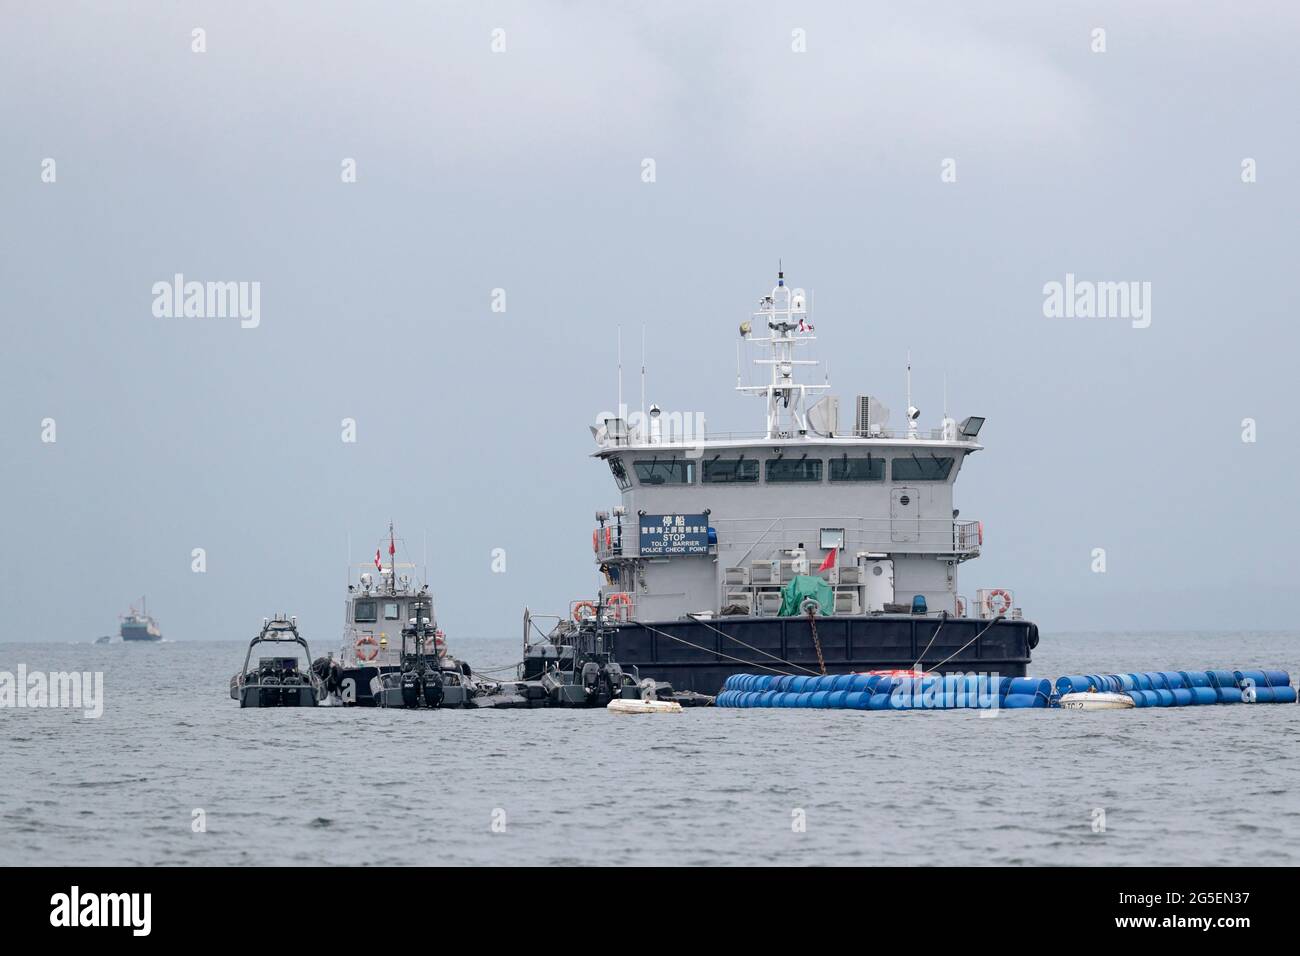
[
  {"x": 829, "y": 562},
  {"x": 378, "y": 566},
  {"x": 392, "y": 548}
]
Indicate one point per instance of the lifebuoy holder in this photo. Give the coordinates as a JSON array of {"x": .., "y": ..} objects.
[{"x": 1005, "y": 602}]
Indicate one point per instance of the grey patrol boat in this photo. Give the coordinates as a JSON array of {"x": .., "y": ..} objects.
[
  {"x": 800, "y": 548},
  {"x": 389, "y": 617}
]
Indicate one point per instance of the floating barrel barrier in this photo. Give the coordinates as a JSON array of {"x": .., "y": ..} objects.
[{"x": 983, "y": 691}]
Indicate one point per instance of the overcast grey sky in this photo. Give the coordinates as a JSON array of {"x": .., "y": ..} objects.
[{"x": 522, "y": 170}]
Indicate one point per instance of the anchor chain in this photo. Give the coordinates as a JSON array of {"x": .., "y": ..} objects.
[{"x": 812, "y": 623}]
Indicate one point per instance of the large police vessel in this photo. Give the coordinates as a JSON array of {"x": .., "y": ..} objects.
[{"x": 800, "y": 548}]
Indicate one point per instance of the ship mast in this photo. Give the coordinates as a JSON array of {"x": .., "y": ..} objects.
[{"x": 785, "y": 314}]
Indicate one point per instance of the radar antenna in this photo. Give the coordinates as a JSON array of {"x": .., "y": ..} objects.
[{"x": 784, "y": 313}]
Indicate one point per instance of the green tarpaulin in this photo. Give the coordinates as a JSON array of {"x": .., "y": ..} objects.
[{"x": 803, "y": 587}]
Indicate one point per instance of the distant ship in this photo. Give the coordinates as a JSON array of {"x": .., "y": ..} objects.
[{"x": 139, "y": 626}]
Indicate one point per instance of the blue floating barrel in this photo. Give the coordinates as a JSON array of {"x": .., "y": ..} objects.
[
  {"x": 835, "y": 699},
  {"x": 1221, "y": 678},
  {"x": 1142, "y": 681},
  {"x": 857, "y": 700},
  {"x": 1204, "y": 695},
  {"x": 1022, "y": 701},
  {"x": 878, "y": 702},
  {"x": 1195, "y": 678},
  {"x": 1275, "y": 695},
  {"x": 1142, "y": 698},
  {"x": 1031, "y": 685},
  {"x": 1182, "y": 697},
  {"x": 1164, "y": 697},
  {"x": 1072, "y": 685},
  {"x": 1263, "y": 678},
  {"x": 1173, "y": 679},
  {"x": 842, "y": 681},
  {"x": 1228, "y": 694}
]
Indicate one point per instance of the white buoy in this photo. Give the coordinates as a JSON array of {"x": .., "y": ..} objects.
[
  {"x": 1096, "y": 700},
  {"x": 621, "y": 706}
]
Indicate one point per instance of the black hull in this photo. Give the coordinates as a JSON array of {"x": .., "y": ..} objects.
[
  {"x": 875, "y": 642},
  {"x": 361, "y": 678}
]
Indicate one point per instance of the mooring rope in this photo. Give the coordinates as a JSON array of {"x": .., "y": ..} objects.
[
  {"x": 757, "y": 650},
  {"x": 700, "y": 647},
  {"x": 944, "y": 620},
  {"x": 968, "y": 643}
]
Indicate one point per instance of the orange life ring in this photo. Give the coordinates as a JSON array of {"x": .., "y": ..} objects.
[
  {"x": 621, "y": 600},
  {"x": 370, "y": 642},
  {"x": 998, "y": 592},
  {"x": 577, "y": 610}
]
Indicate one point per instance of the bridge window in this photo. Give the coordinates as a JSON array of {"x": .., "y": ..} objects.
[
  {"x": 722, "y": 470},
  {"x": 390, "y": 611},
  {"x": 620, "y": 474},
  {"x": 794, "y": 469},
  {"x": 363, "y": 612},
  {"x": 858, "y": 469},
  {"x": 922, "y": 468},
  {"x": 664, "y": 471}
]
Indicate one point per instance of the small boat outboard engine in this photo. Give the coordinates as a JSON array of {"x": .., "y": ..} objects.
[
  {"x": 433, "y": 692},
  {"x": 420, "y": 682},
  {"x": 268, "y": 681},
  {"x": 412, "y": 689}
]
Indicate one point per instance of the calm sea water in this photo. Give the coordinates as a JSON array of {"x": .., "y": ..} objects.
[{"x": 346, "y": 785}]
